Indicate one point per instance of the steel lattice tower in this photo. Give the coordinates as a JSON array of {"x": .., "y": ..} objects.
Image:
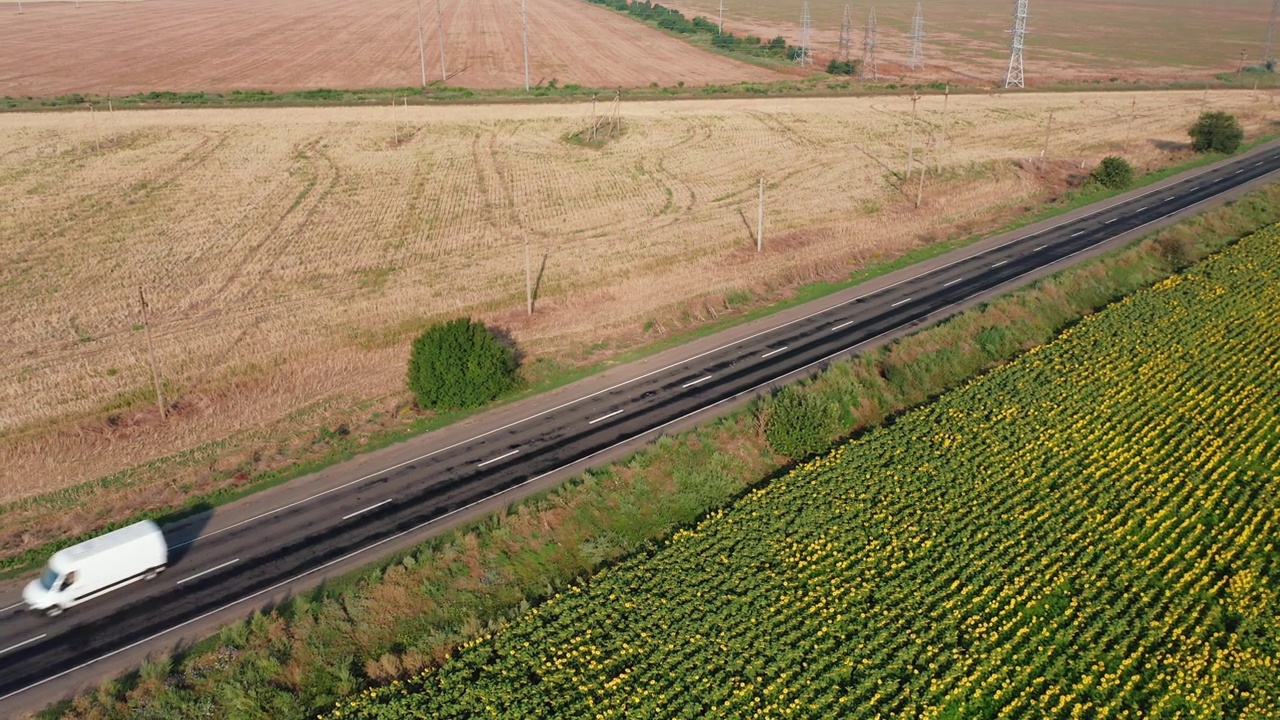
[
  {"x": 1269, "y": 55},
  {"x": 869, "y": 69},
  {"x": 1014, "y": 77},
  {"x": 846, "y": 27},
  {"x": 917, "y": 36},
  {"x": 805, "y": 58}
]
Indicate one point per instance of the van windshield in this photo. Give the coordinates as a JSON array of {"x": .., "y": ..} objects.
[{"x": 49, "y": 579}]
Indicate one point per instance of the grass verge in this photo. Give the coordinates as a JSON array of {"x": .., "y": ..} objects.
[{"x": 410, "y": 611}]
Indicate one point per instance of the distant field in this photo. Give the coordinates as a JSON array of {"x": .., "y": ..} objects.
[
  {"x": 217, "y": 45},
  {"x": 288, "y": 254},
  {"x": 1088, "y": 532},
  {"x": 1149, "y": 39}
]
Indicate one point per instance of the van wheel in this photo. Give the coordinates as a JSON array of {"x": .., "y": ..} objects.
[
  {"x": 152, "y": 573},
  {"x": 54, "y": 611}
]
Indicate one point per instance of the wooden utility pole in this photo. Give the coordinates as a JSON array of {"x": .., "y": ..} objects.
[
  {"x": 524, "y": 34},
  {"x": 422, "y": 49},
  {"x": 924, "y": 165},
  {"x": 937, "y": 152},
  {"x": 111, "y": 113},
  {"x": 151, "y": 354},
  {"x": 97, "y": 138},
  {"x": 1047, "y": 130},
  {"x": 444, "y": 75},
  {"x": 911, "y": 144},
  {"x": 395, "y": 121},
  {"x": 721, "y": 26},
  {"x": 760, "y": 220},
  {"x": 594, "y": 123},
  {"x": 528, "y": 277},
  {"x": 1128, "y": 133}
]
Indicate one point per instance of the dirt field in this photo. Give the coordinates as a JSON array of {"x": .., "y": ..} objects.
[
  {"x": 219, "y": 45},
  {"x": 1147, "y": 40},
  {"x": 289, "y": 254}
]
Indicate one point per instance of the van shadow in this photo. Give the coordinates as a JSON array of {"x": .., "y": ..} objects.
[{"x": 183, "y": 527}]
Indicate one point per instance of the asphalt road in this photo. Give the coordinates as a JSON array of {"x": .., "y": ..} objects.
[{"x": 218, "y": 567}]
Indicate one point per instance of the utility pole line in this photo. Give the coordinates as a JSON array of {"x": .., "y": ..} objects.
[
  {"x": 1048, "y": 129},
  {"x": 528, "y": 277},
  {"x": 422, "y": 49},
  {"x": 760, "y": 220},
  {"x": 1013, "y": 77},
  {"x": 924, "y": 164},
  {"x": 805, "y": 58},
  {"x": 524, "y": 29},
  {"x": 937, "y": 153},
  {"x": 444, "y": 75},
  {"x": 911, "y": 142},
  {"x": 721, "y": 26},
  {"x": 869, "y": 69},
  {"x": 1269, "y": 54},
  {"x": 846, "y": 26},
  {"x": 917, "y": 38},
  {"x": 97, "y": 138},
  {"x": 151, "y": 354},
  {"x": 1128, "y": 133}
]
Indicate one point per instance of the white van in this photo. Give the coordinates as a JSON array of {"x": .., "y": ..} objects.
[{"x": 98, "y": 566}]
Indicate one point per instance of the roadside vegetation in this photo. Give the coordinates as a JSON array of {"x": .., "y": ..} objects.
[{"x": 413, "y": 611}]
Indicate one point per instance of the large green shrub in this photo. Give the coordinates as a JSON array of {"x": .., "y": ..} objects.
[
  {"x": 460, "y": 364},
  {"x": 799, "y": 424},
  {"x": 1216, "y": 132},
  {"x": 1113, "y": 172}
]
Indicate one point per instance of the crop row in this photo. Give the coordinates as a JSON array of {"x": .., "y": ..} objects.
[{"x": 1088, "y": 532}]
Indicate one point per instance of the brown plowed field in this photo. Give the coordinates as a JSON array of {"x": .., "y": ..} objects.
[{"x": 219, "y": 45}]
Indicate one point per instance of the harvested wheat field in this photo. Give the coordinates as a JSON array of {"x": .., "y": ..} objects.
[
  {"x": 219, "y": 45},
  {"x": 289, "y": 254}
]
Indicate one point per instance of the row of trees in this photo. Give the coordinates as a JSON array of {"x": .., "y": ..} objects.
[{"x": 675, "y": 21}]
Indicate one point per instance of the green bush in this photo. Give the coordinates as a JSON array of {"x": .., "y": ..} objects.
[
  {"x": 1113, "y": 172},
  {"x": 1216, "y": 132},
  {"x": 843, "y": 67},
  {"x": 460, "y": 364},
  {"x": 800, "y": 424}
]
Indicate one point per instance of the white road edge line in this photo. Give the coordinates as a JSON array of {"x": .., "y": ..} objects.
[
  {"x": 12, "y": 607},
  {"x": 24, "y": 642},
  {"x": 843, "y": 325},
  {"x": 953, "y": 282},
  {"x": 206, "y": 572},
  {"x": 401, "y": 534},
  {"x": 900, "y": 302},
  {"x": 358, "y": 512},
  {"x": 774, "y": 352},
  {"x": 604, "y": 417},
  {"x": 775, "y": 328},
  {"x": 1002, "y": 262},
  {"x": 494, "y": 460},
  {"x": 691, "y": 383}
]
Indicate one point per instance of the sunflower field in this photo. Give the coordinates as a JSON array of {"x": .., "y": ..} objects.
[{"x": 1087, "y": 532}]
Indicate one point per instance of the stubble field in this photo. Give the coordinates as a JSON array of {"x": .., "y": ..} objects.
[
  {"x": 1146, "y": 40},
  {"x": 123, "y": 48},
  {"x": 288, "y": 255}
]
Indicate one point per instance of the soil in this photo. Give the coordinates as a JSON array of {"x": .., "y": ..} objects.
[{"x": 124, "y": 48}]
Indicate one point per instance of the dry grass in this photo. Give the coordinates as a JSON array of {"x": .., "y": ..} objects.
[{"x": 289, "y": 254}]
